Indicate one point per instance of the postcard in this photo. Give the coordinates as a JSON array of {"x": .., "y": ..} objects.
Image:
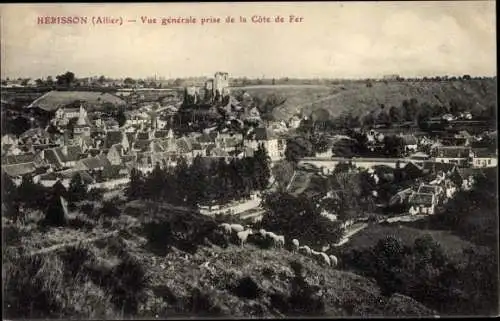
[{"x": 249, "y": 160}]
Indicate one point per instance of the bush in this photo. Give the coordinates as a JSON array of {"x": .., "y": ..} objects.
[
  {"x": 247, "y": 288},
  {"x": 129, "y": 280},
  {"x": 110, "y": 210}
]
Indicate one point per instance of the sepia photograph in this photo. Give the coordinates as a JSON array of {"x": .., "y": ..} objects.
[{"x": 249, "y": 160}]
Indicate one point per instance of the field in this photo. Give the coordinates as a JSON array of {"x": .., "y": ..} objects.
[
  {"x": 357, "y": 98},
  {"x": 451, "y": 244},
  {"x": 161, "y": 263},
  {"x": 53, "y": 100}
]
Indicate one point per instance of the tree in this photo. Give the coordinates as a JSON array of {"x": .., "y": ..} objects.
[
  {"x": 32, "y": 195},
  {"x": 135, "y": 190},
  {"x": 369, "y": 119},
  {"x": 50, "y": 81},
  {"x": 283, "y": 173},
  {"x": 262, "y": 171},
  {"x": 56, "y": 213},
  {"x": 120, "y": 117},
  {"x": 393, "y": 145},
  {"x": 77, "y": 189},
  {"x": 178, "y": 82},
  {"x": 10, "y": 198},
  {"x": 197, "y": 181},
  {"x": 297, "y": 148},
  {"x": 39, "y": 82},
  {"x": 298, "y": 217},
  {"x": 101, "y": 80},
  {"x": 395, "y": 114},
  {"x": 129, "y": 81},
  {"x": 66, "y": 79}
]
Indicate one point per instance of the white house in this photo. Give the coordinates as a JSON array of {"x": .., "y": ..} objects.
[
  {"x": 266, "y": 137},
  {"x": 452, "y": 154},
  {"x": 481, "y": 157},
  {"x": 423, "y": 203}
]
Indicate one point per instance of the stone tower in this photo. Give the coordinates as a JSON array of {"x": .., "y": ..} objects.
[{"x": 221, "y": 81}]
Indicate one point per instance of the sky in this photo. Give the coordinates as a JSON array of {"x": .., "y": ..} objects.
[{"x": 334, "y": 40}]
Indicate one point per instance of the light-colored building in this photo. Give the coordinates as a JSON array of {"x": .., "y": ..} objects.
[
  {"x": 452, "y": 154},
  {"x": 270, "y": 141},
  {"x": 423, "y": 203},
  {"x": 481, "y": 157}
]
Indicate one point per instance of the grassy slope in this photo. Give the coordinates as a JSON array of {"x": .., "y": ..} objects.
[
  {"x": 451, "y": 244},
  {"x": 179, "y": 285},
  {"x": 358, "y": 99}
]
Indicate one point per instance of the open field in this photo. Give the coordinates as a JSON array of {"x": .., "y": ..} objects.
[{"x": 452, "y": 244}]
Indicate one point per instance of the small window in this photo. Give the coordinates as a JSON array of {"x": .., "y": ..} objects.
[{"x": 489, "y": 161}]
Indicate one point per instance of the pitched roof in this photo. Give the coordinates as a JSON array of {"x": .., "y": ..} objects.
[
  {"x": 409, "y": 139},
  {"x": 142, "y": 135},
  {"x": 112, "y": 138},
  {"x": 206, "y": 138},
  {"x": 435, "y": 167},
  {"x": 95, "y": 162},
  {"x": 483, "y": 153},
  {"x": 54, "y": 100},
  {"x": 427, "y": 189},
  {"x": 453, "y": 151},
  {"x": 262, "y": 133},
  {"x": 18, "y": 159},
  {"x": 15, "y": 170},
  {"x": 421, "y": 199},
  {"x": 113, "y": 172},
  {"x": 184, "y": 145},
  {"x": 72, "y": 155},
  {"x": 131, "y": 137},
  {"x": 142, "y": 144},
  {"x": 161, "y": 133}
]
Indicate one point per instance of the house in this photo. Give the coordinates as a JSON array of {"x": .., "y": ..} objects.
[
  {"x": 16, "y": 171},
  {"x": 430, "y": 189},
  {"x": 115, "y": 154},
  {"x": 64, "y": 114},
  {"x": 116, "y": 137},
  {"x": 9, "y": 139},
  {"x": 432, "y": 167},
  {"x": 423, "y": 203},
  {"x": 82, "y": 126},
  {"x": 413, "y": 170},
  {"x": 482, "y": 157},
  {"x": 294, "y": 122},
  {"x": 92, "y": 164},
  {"x": 453, "y": 154},
  {"x": 62, "y": 157},
  {"x": 410, "y": 143},
  {"x": 50, "y": 179},
  {"x": 266, "y": 137}
]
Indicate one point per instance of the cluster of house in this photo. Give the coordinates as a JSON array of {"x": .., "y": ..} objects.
[
  {"x": 104, "y": 154},
  {"x": 454, "y": 148}
]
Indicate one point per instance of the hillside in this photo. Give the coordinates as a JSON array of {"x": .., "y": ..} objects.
[
  {"x": 358, "y": 98},
  {"x": 168, "y": 265}
]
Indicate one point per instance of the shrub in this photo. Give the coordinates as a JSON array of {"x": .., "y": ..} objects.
[
  {"x": 109, "y": 209},
  {"x": 247, "y": 288},
  {"x": 129, "y": 282}
]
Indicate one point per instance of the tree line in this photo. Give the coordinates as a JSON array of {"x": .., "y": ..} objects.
[{"x": 204, "y": 181}]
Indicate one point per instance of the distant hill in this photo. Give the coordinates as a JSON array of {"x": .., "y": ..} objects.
[
  {"x": 53, "y": 100},
  {"x": 358, "y": 98}
]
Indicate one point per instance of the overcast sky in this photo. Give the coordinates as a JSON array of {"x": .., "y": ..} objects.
[{"x": 335, "y": 40}]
